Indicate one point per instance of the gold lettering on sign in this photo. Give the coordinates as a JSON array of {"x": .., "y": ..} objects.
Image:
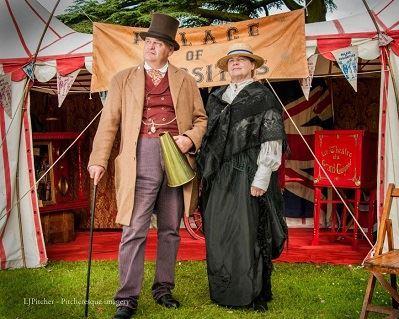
[
  {"x": 334, "y": 149},
  {"x": 344, "y": 169},
  {"x": 336, "y": 168}
]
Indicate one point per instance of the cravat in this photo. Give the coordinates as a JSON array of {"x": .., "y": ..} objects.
[{"x": 155, "y": 75}]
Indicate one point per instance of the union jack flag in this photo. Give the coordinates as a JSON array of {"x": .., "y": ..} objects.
[{"x": 309, "y": 116}]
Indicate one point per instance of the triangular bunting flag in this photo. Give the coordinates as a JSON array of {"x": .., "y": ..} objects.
[
  {"x": 103, "y": 96},
  {"x": 384, "y": 39},
  {"x": 5, "y": 94},
  {"x": 64, "y": 84},
  {"x": 28, "y": 69},
  {"x": 306, "y": 83},
  {"x": 347, "y": 61}
]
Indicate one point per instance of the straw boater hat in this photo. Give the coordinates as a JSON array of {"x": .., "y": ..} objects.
[
  {"x": 164, "y": 28},
  {"x": 240, "y": 49}
]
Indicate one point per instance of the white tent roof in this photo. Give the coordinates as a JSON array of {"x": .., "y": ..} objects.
[
  {"x": 22, "y": 23},
  {"x": 385, "y": 12},
  {"x": 356, "y": 30},
  {"x": 62, "y": 50}
]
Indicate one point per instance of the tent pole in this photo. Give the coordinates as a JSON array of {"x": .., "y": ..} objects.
[
  {"x": 386, "y": 61},
  {"x": 371, "y": 16},
  {"x": 44, "y": 33},
  {"x": 23, "y": 101},
  {"x": 381, "y": 137},
  {"x": 24, "y": 109}
]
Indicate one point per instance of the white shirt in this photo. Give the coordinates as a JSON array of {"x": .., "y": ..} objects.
[
  {"x": 269, "y": 158},
  {"x": 233, "y": 89},
  {"x": 163, "y": 70}
]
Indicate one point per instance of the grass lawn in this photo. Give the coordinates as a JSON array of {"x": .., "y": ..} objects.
[{"x": 300, "y": 291}]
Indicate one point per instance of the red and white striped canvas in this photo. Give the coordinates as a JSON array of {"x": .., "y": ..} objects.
[{"x": 21, "y": 239}]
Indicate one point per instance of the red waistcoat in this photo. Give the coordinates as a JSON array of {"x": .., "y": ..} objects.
[{"x": 158, "y": 109}]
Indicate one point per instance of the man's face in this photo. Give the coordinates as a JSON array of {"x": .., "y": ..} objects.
[
  {"x": 156, "y": 51},
  {"x": 240, "y": 66}
]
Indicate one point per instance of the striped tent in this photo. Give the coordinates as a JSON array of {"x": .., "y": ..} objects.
[{"x": 58, "y": 50}]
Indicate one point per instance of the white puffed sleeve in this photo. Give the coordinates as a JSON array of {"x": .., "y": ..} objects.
[{"x": 269, "y": 160}]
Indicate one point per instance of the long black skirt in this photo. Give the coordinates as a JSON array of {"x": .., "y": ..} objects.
[{"x": 231, "y": 217}]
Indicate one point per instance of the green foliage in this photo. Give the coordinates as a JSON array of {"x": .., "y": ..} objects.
[
  {"x": 190, "y": 13},
  {"x": 300, "y": 291}
]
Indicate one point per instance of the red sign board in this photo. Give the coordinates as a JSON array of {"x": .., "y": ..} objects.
[{"x": 347, "y": 156}]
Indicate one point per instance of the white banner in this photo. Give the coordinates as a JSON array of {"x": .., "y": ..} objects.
[
  {"x": 306, "y": 83},
  {"x": 64, "y": 84},
  {"x": 347, "y": 61},
  {"x": 5, "y": 93}
]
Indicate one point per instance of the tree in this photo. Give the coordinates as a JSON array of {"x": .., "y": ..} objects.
[{"x": 190, "y": 13}]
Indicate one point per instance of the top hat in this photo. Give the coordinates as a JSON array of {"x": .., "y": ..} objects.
[
  {"x": 239, "y": 49},
  {"x": 164, "y": 28}
]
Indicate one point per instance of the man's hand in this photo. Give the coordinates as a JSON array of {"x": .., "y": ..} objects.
[
  {"x": 96, "y": 172},
  {"x": 184, "y": 143},
  {"x": 256, "y": 191}
]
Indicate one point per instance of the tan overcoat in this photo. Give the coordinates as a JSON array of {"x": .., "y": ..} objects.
[{"x": 124, "y": 109}]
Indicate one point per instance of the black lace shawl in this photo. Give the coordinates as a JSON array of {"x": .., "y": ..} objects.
[{"x": 254, "y": 117}]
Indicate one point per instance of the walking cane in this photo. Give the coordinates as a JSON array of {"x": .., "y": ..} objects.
[{"x": 92, "y": 209}]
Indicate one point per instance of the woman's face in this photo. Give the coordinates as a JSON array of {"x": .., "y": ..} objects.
[{"x": 240, "y": 68}]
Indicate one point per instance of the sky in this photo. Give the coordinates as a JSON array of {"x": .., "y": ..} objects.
[{"x": 344, "y": 7}]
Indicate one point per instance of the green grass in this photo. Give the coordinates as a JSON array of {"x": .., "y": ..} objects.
[{"x": 300, "y": 291}]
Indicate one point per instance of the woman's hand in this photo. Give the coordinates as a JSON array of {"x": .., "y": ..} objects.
[{"x": 256, "y": 191}]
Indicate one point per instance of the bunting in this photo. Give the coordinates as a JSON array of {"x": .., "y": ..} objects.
[
  {"x": 64, "y": 84},
  {"x": 103, "y": 96},
  {"x": 347, "y": 61},
  {"x": 306, "y": 83},
  {"x": 5, "y": 94},
  {"x": 28, "y": 69}
]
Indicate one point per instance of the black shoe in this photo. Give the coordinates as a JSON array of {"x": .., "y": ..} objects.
[
  {"x": 168, "y": 301},
  {"x": 265, "y": 297},
  {"x": 123, "y": 312},
  {"x": 259, "y": 305}
]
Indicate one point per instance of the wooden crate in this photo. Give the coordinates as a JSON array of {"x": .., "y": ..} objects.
[{"x": 58, "y": 227}]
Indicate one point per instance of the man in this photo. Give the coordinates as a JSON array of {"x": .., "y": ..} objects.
[{"x": 144, "y": 101}]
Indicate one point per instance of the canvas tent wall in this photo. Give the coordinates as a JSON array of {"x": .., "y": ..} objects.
[
  {"x": 383, "y": 46},
  {"x": 22, "y": 22},
  {"x": 62, "y": 51}
]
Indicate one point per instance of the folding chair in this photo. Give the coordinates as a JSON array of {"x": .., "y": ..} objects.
[{"x": 383, "y": 263}]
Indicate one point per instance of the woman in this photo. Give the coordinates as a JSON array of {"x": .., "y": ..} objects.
[{"x": 238, "y": 161}]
